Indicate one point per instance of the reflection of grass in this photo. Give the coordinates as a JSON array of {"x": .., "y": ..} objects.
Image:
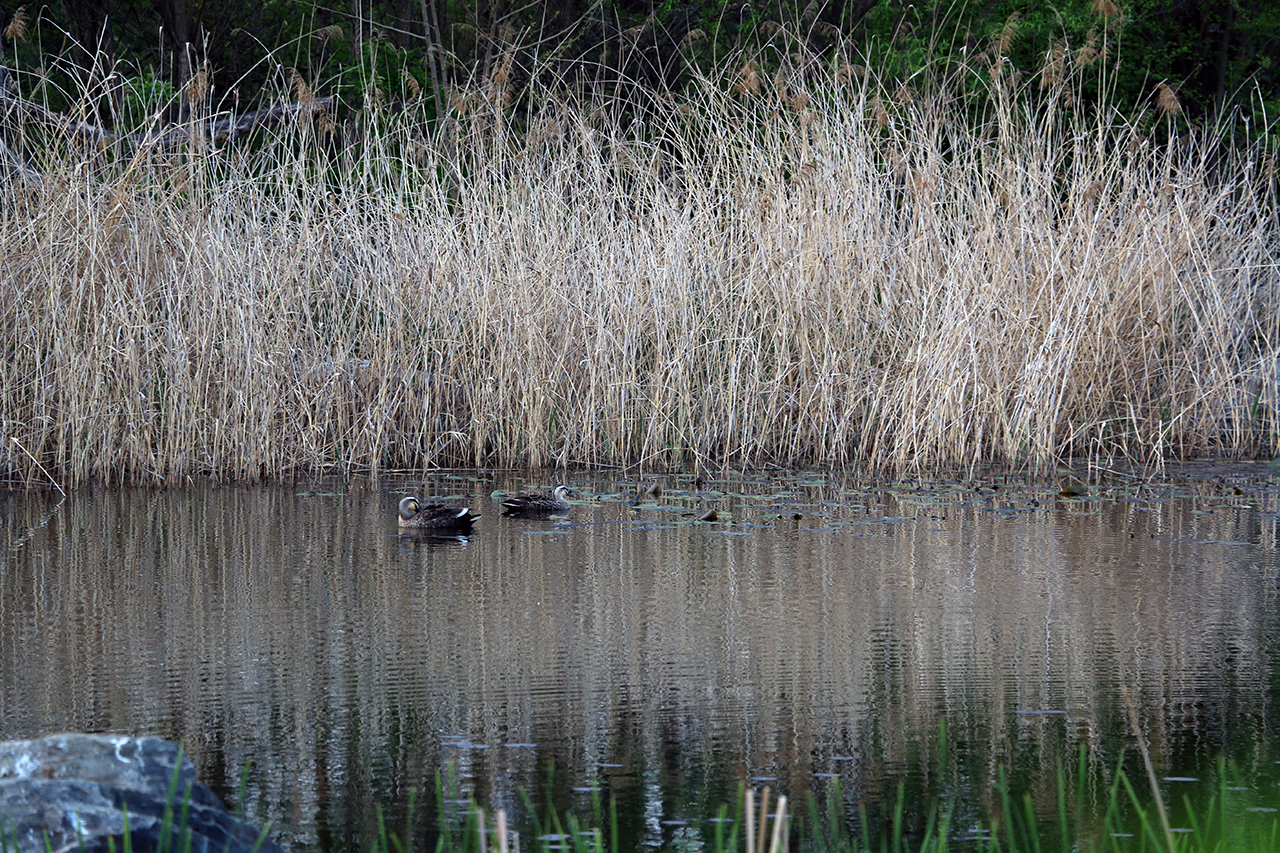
[{"x": 1129, "y": 822}]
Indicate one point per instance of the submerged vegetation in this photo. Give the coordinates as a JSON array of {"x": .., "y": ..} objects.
[{"x": 794, "y": 261}]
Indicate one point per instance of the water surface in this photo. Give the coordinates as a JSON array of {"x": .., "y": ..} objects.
[{"x": 823, "y": 629}]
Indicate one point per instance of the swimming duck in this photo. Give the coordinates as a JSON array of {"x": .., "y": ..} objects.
[
  {"x": 420, "y": 516},
  {"x": 533, "y": 503},
  {"x": 646, "y": 491}
]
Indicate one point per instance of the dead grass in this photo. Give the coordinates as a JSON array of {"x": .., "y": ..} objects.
[{"x": 813, "y": 270}]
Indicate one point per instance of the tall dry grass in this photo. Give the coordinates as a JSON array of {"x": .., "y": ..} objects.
[{"x": 802, "y": 268}]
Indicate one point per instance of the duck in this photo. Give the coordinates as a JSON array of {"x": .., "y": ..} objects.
[
  {"x": 533, "y": 503},
  {"x": 646, "y": 491},
  {"x": 415, "y": 515}
]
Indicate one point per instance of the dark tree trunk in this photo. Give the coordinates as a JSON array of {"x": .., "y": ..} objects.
[
  {"x": 180, "y": 29},
  {"x": 1224, "y": 48}
]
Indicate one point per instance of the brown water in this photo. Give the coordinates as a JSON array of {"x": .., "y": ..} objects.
[{"x": 662, "y": 659}]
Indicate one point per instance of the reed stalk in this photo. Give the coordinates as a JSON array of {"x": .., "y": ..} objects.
[{"x": 828, "y": 269}]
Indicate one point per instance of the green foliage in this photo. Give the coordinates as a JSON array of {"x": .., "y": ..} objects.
[
  {"x": 1118, "y": 818},
  {"x": 144, "y": 96},
  {"x": 1217, "y": 60}
]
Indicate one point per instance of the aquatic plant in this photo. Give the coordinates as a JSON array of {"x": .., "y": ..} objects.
[
  {"x": 821, "y": 268},
  {"x": 1128, "y": 821}
]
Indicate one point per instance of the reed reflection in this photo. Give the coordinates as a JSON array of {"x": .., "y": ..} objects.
[{"x": 298, "y": 630}]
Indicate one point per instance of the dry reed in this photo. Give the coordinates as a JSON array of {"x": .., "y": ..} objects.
[{"x": 815, "y": 269}]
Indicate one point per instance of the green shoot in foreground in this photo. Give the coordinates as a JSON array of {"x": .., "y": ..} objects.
[
  {"x": 1228, "y": 818},
  {"x": 1121, "y": 820}
]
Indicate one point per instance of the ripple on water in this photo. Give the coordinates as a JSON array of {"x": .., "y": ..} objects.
[{"x": 639, "y": 652}]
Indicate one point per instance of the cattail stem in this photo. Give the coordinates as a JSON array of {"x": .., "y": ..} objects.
[{"x": 779, "y": 823}]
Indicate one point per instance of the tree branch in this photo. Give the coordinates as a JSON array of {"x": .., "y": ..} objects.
[{"x": 15, "y": 110}]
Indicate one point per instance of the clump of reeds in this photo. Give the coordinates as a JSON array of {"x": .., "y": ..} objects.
[{"x": 819, "y": 268}]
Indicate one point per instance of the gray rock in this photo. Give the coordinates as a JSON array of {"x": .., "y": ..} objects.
[{"x": 70, "y": 792}]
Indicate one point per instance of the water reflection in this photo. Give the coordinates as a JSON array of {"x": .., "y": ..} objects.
[{"x": 820, "y": 630}]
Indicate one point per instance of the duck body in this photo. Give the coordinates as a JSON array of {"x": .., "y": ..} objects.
[
  {"x": 537, "y": 503},
  {"x": 415, "y": 515},
  {"x": 646, "y": 491}
]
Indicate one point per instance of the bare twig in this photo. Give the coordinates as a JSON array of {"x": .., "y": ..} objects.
[
  {"x": 38, "y": 465},
  {"x": 15, "y": 110}
]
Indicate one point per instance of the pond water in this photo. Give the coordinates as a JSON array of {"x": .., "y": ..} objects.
[{"x": 823, "y": 629}]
